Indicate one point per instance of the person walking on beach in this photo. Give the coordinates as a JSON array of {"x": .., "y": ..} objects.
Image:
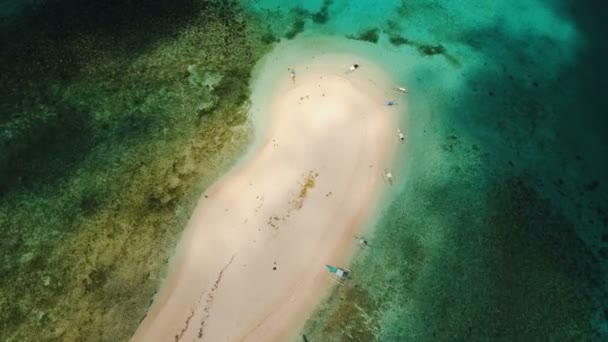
[
  {"x": 401, "y": 135},
  {"x": 362, "y": 241},
  {"x": 389, "y": 176},
  {"x": 292, "y": 74}
]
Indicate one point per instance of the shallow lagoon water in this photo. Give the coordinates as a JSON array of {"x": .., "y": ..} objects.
[{"x": 497, "y": 227}]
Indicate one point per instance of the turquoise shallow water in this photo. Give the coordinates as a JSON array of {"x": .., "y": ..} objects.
[{"x": 498, "y": 230}]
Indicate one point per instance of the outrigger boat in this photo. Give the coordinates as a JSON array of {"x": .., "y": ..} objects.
[{"x": 340, "y": 273}]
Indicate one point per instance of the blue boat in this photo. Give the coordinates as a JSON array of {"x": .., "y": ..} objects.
[{"x": 341, "y": 273}]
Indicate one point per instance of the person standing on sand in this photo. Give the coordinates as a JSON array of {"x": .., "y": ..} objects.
[
  {"x": 401, "y": 135},
  {"x": 292, "y": 74},
  {"x": 389, "y": 176}
]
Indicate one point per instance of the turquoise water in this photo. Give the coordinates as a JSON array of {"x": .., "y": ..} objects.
[{"x": 497, "y": 228}]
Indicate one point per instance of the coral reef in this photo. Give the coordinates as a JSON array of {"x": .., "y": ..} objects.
[
  {"x": 115, "y": 117},
  {"x": 370, "y": 35}
]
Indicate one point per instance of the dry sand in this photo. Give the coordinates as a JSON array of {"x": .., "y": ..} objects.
[{"x": 251, "y": 264}]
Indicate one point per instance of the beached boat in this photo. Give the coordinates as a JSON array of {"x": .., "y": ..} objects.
[{"x": 340, "y": 274}]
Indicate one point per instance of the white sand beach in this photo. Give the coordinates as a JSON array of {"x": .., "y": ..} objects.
[{"x": 250, "y": 266}]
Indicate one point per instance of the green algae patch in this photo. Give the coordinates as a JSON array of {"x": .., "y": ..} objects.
[
  {"x": 105, "y": 147},
  {"x": 347, "y": 315},
  {"x": 309, "y": 183}
]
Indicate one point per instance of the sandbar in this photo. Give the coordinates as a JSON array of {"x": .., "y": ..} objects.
[{"x": 250, "y": 265}]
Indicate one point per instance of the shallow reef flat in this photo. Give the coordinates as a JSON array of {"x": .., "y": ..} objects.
[{"x": 114, "y": 117}]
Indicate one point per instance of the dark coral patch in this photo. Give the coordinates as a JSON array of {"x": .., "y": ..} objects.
[
  {"x": 398, "y": 40},
  {"x": 370, "y": 35},
  {"x": 430, "y": 50}
]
